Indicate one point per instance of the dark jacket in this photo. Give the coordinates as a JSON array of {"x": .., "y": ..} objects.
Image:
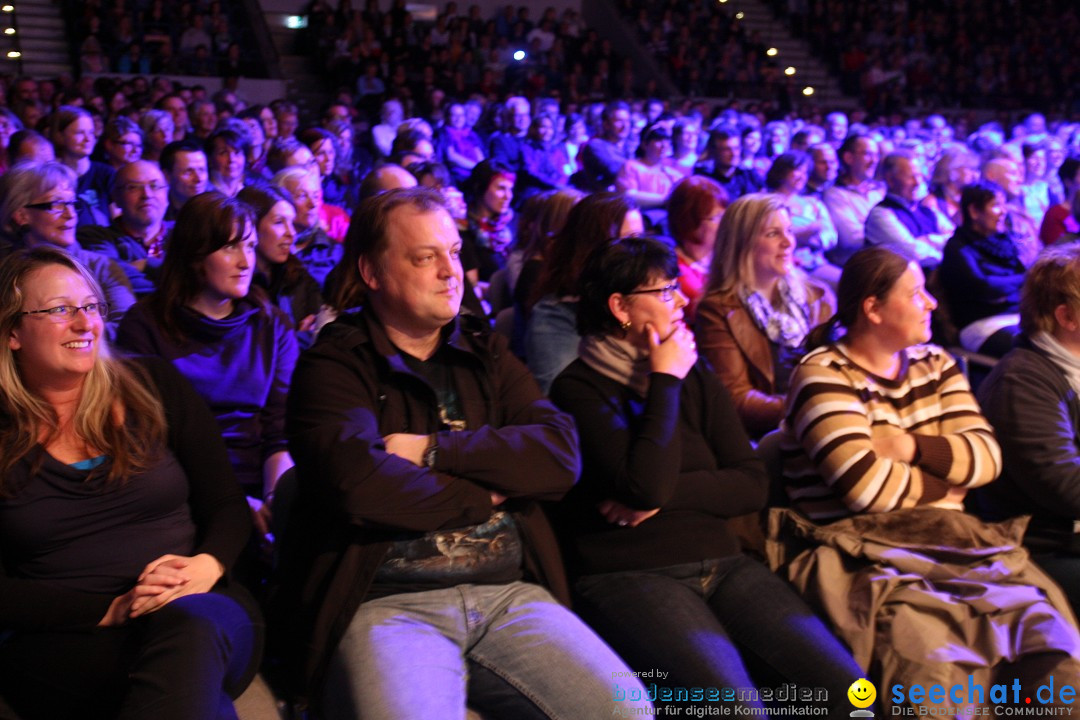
[
  {"x": 1036, "y": 417},
  {"x": 350, "y": 390},
  {"x": 981, "y": 276},
  {"x": 741, "y": 182}
]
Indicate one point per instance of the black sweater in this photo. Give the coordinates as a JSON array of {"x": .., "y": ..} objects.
[
  {"x": 67, "y": 547},
  {"x": 682, "y": 449}
]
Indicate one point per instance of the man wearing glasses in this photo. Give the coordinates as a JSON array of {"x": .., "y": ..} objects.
[{"x": 137, "y": 238}]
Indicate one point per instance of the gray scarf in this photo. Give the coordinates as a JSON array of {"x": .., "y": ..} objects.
[{"x": 617, "y": 359}]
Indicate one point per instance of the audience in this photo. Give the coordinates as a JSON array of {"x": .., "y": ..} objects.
[
  {"x": 73, "y": 137},
  {"x": 37, "y": 208},
  {"x": 602, "y": 158},
  {"x": 184, "y": 164},
  {"x": 576, "y": 115},
  {"x": 314, "y": 247},
  {"x": 227, "y": 148},
  {"x": 138, "y": 236},
  {"x": 278, "y": 272},
  {"x": 811, "y": 223},
  {"x": 551, "y": 336},
  {"x": 982, "y": 273},
  {"x": 899, "y": 219},
  {"x": 854, "y": 194},
  {"x": 722, "y": 164},
  {"x": 1060, "y": 218},
  {"x": 440, "y": 515}
]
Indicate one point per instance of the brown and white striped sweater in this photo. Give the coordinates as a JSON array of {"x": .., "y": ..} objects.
[{"x": 834, "y": 410}]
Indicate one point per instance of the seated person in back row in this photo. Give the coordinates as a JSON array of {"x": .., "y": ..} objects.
[
  {"x": 136, "y": 239},
  {"x": 417, "y": 548},
  {"x": 981, "y": 273},
  {"x": 899, "y": 220}
]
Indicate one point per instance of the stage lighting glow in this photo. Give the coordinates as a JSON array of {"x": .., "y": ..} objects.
[
  {"x": 771, "y": 52},
  {"x": 808, "y": 91},
  {"x": 14, "y": 54},
  {"x": 789, "y": 70},
  {"x": 519, "y": 55},
  {"x": 738, "y": 16},
  {"x": 9, "y": 31},
  {"x": 8, "y": 8}
]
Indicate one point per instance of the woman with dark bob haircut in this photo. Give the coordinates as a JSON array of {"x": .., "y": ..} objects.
[
  {"x": 236, "y": 348},
  {"x": 119, "y": 519},
  {"x": 659, "y": 573}
]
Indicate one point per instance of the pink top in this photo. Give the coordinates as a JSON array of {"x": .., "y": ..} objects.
[{"x": 335, "y": 221}]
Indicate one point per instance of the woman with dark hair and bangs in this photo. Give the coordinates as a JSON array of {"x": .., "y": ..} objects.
[
  {"x": 233, "y": 344},
  {"x": 119, "y": 519}
]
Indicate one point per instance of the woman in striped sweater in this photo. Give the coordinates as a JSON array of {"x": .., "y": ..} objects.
[
  {"x": 883, "y": 437},
  {"x": 886, "y": 421}
]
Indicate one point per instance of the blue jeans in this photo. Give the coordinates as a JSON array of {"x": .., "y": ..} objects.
[
  {"x": 698, "y": 621},
  {"x": 405, "y": 656}
]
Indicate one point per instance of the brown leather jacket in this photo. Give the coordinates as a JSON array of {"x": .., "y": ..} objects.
[{"x": 742, "y": 357}]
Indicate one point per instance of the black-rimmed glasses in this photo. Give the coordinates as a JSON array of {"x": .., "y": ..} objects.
[
  {"x": 666, "y": 293},
  {"x": 66, "y": 313},
  {"x": 56, "y": 207}
]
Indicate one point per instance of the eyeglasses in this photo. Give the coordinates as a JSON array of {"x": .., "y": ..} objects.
[
  {"x": 56, "y": 207},
  {"x": 66, "y": 313},
  {"x": 666, "y": 293}
]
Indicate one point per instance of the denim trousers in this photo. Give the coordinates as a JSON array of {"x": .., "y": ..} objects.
[
  {"x": 704, "y": 622},
  {"x": 183, "y": 662},
  {"x": 406, "y": 656}
]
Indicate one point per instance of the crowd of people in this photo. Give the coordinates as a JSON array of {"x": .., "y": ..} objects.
[
  {"x": 200, "y": 39},
  {"x": 928, "y": 54},
  {"x": 526, "y": 398}
]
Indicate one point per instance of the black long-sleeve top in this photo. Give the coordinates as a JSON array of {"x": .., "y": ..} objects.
[
  {"x": 68, "y": 546},
  {"x": 681, "y": 448}
]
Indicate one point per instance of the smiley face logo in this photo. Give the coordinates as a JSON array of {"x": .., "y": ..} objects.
[{"x": 862, "y": 693}]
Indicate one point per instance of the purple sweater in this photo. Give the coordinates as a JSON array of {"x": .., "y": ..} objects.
[{"x": 241, "y": 366}]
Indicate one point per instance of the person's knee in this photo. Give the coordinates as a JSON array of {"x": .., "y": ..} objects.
[{"x": 203, "y": 621}]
